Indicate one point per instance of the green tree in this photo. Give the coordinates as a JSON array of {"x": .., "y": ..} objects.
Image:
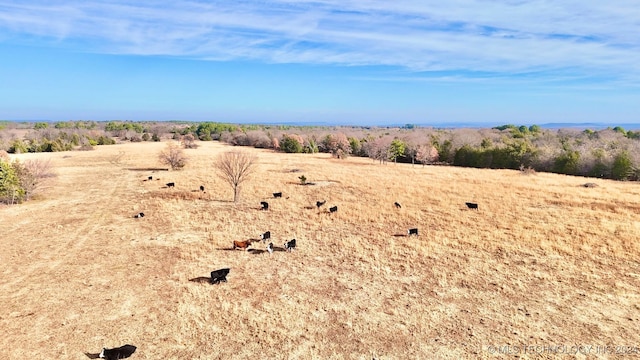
[
  {"x": 40, "y": 125},
  {"x": 396, "y": 149},
  {"x": 290, "y": 144},
  {"x": 535, "y": 129},
  {"x": 567, "y": 163},
  {"x": 10, "y": 190},
  {"x": 356, "y": 147},
  {"x": 622, "y": 167}
]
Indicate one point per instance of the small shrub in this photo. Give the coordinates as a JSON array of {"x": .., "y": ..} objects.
[
  {"x": 10, "y": 190},
  {"x": 33, "y": 175},
  {"x": 303, "y": 180},
  {"x": 527, "y": 170},
  {"x": 86, "y": 147},
  {"x": 173, "y": 156},
  {"x": 291, "y": 144},
  {"x": 189, "y": 141},
  {"x": 18, "y": 147}
]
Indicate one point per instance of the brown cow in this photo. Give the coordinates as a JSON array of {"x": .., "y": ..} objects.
[{"x": 241, "y": 244}]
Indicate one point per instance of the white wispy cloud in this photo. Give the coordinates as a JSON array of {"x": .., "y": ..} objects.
[{"x": 581, "y": 38}]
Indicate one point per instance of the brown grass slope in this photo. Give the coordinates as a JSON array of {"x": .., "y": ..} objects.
[{"x": 543, "y": 261}]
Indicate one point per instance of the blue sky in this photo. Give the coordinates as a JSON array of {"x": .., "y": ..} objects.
[{"x": 366, "y": 62}]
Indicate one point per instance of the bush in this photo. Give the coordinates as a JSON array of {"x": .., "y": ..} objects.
[
  {"x": 189, "y": 142},
  {"x": 18, "y": 147},
  {"x": 33, "y": 175},
  {"x": 173, "y": 156},
  {"x": 567, "y": 163},
  {"x": 622, "y": 168},
  {"x": 10, "y": 190},
  {"x": 105, "y": 140},
  {"x": 290, "y": 144}
]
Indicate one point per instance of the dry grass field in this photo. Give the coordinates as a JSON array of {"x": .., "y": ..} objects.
[{"x": 542, "y": 262}]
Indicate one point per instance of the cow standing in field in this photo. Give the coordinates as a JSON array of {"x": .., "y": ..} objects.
[
  {"x": 219, "y": 275},
  {"x": 333, "y": 209},
  {"x": 270, "y": 248},
  {"x": 320, "y": 203},
  {"x": 264, "y": 205},
  {"x": 121, "y": 352},
  {"x": 265, "y": 236},
  {"x": 397, "y": 204},
  {"x": 138, "y": 215},
  {"x": 290, "y": 245},
  {"x": 171, "y": 184},
  {"x": 241, "y": 244},
  {"x": 472, "y": 206},
  {"x": 413, "y": 231},
  {"x": 202, "y": 188},
  {"x": 277, "y": 194}
]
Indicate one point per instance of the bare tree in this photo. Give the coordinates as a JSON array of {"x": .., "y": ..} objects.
[
  {"x": 338, "y": 145},
  {"x": 235, "y": 167},
  {"x": 173, "y": 156},
  {"x": 189, "y": 141},
  {"x": 33, "y": 175},
  {"x": 426, "y": 154}
]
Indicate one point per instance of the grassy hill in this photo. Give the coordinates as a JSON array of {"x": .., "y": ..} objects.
[{"x": 543, "y": 261}]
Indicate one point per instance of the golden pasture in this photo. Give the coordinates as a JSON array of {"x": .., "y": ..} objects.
[{"x": 543, "y": 262}]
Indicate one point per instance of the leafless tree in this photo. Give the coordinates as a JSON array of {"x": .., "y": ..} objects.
[
  {"x": 235, "y": 167},
  {"x": 33, "y": 175},
  {"x": 378, "y": 149},
  {"x": 338, "y": 145},
  {"x": 173, "y": 156},
  {"x": 426, "y": 154},
  {"x": 189, "y": 141}
]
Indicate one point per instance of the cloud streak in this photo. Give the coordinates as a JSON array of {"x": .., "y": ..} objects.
[{"x": 502, "y": 37}]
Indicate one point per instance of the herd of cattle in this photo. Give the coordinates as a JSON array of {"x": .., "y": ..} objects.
[{"x": 220, "y": 275}]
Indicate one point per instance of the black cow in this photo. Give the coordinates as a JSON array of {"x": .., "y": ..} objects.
[
  {"x": 270, "y": 248},
  {"x": 266, "y": 236},
  {"x": 265, "y": 205},
  {"x": 121, "y": 352},
  {"x": 413, "y": 231},
  {"x": 472, "y": 205},
  {"x": 219, "y": 275},
  {"x": 333, "y": 209},
  {"x": 202, "y": 188},
  {"x": 150, "y": 178},
  {"x": 290, "y": 245},
  {"x": 277, "y": 195},
  {"x": 320, "y": 203},
  {"x": 171, "y": 184},
  {"x": 397, "y": 204},
  {"x": 138, "y": 215}
]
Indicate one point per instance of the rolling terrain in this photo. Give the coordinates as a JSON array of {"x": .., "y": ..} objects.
[{"x": 544, "y": 261}]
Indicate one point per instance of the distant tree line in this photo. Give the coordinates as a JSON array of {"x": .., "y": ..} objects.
[{"x": 608, "y": 153}]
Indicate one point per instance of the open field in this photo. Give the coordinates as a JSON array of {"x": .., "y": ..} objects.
[{"x": 544, "y": 261}]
